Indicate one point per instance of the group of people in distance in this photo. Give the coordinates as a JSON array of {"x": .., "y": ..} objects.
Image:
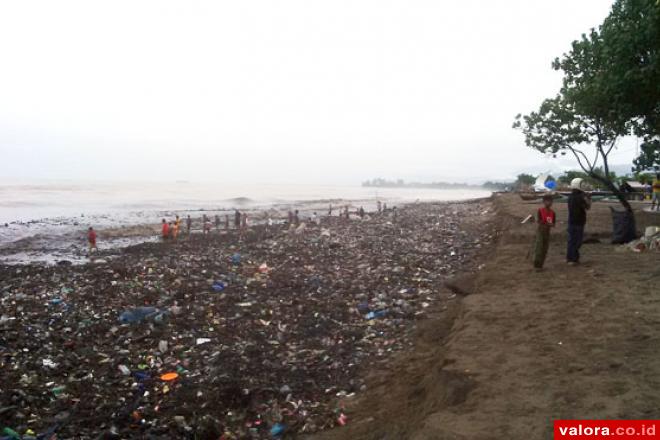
[
  {"x": 171, "y": 230},
  {"x": 579, "y": 202},
  {"x": 345, "y": 213}
]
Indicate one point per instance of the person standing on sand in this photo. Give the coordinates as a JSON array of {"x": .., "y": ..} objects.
[
  {"x": 655, "y": 197},
  {"x": 165, "y": 230},
  {"x": 217, "y": 222},
  {"x": 91, "y": 240},
  {"x": 226, "y": 222},
  {"x": 361, "y": 212},
  {"x": 188, "y": 224},
  {"x": 379, "y": 206},
  {"x": 545, "y": 218},
  {"x": 296, "y": 218},
  {"x": 578, "y": 205}
]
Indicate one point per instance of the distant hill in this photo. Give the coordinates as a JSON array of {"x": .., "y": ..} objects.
[{"x": 400, "y": 183}]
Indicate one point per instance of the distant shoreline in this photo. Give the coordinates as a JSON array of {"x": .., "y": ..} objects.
[{"x": 49, "y": 240}]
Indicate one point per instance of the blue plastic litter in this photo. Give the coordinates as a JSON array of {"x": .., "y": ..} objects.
[
  {"x": 140, "y": 314},
  {"x": 363, "y": 307},
  {"x": 218, "y": 286},
  {"x": 377, "y": 314},
  {"x": 277, "y": 430},
  {"x": 141, "y": 375}
]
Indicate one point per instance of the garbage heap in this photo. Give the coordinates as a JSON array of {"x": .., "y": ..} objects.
[{"x": 210, "y": 337}]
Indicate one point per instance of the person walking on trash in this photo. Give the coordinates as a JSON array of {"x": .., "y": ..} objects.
[
  {"x": 91, "y": 240},
  {"x": 165, "y": 230},
  {"x": 188, "y": 224}
]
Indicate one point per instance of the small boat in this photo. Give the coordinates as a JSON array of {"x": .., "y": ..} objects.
[
  {"x": 537, "y": 195},
  {"x": 529, "y": 196}
]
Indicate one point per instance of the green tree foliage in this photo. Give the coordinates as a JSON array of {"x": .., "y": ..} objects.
[
  {"x": 611, "y": 86},
  {"x": 630, "y": 36},
  {"x": 558, "y": 127},
  {"x": 649, "y": 156},
  {"x": 525, "y": 179},
  {"x": 568, "y": 176}
]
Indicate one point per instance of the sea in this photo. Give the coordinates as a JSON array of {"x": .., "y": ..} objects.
[{"x": 45, "y": 221}]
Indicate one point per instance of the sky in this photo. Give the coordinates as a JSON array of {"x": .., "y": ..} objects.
[{"x": 288, "y": 91}]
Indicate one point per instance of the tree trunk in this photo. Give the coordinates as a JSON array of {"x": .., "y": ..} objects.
[
  {"x": 620, "y": 195},
  {"x": 624, "y": 228}
]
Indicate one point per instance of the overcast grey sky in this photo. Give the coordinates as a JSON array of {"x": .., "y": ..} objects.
[{"x": 278, "y": 91}]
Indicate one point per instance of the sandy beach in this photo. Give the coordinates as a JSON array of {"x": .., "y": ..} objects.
[
  {"x": 424, "y": 324},
  {"x": 522, "y": 349}
]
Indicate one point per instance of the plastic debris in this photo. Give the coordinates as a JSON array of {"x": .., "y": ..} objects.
[
  {"x": 377, "y": 314},
  {"x": 167, "y": 377},
  {"x": 139, "y": 314},
  {"x": 277, "y": 430},
  {"x": 218, "y": 286},
  {"x": 147, "y": 348}
]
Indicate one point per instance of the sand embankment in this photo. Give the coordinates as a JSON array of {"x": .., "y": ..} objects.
[{"x": 526, "y": 348}]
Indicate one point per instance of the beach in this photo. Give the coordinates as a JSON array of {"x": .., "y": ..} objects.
[
  {"x": 421, "y": 323},
  {"x": 521, "y": 348},
  {"x": 213, "y": 336}
]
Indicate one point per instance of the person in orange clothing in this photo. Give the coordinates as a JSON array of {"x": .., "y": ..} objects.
[
  {"x": 91, "y": 240},
  {"x": 175, "y": 228},
  {"x": 166, "y": 230}
]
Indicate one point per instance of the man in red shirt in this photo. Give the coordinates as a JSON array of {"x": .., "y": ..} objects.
[
  {"x": 166, "y": 230},
  {"x": 91, "y": 239},
  {"x": 545, "y": 218}
]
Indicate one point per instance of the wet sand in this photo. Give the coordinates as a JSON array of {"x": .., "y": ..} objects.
[{"x": 63, "y": 239}]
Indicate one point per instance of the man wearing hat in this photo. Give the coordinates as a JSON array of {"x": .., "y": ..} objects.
[{"x": 578, "y": 205}]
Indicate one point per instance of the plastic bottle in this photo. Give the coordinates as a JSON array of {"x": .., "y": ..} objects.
[
  {"x": 377, "y": 314},
  {"x": 138, "y": 314},
  {"x": 219, "y": 286}
]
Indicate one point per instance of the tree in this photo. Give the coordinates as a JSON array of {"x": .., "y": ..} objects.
[
  {"x": 649, "y": 157},
  {"x": 558, "y": 128},
  {"x": 525, "y": 179},
  {"x": 630, "y": 36},
  {"x": 568, "y": 177}
]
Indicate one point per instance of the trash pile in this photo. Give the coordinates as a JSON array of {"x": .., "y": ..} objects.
[
  {"x": 649, "y": 242},
  {"x": 212, "y": 338}
]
